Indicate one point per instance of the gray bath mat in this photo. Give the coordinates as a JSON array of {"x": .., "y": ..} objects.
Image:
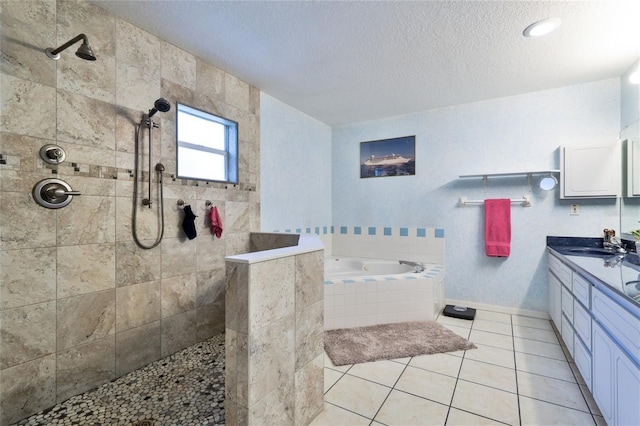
[{"x": 389, "y": 341}]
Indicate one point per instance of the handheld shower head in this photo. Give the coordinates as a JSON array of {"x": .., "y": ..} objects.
[{"x": 161, "y": 105}]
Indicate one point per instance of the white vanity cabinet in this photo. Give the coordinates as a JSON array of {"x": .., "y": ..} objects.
[
  {"x": 590, "y": 171},
  {"x": 616, "y": 381},
  {"x": 559, "y": 278},
  {"x": 603, "y": 337},
  {"x": 616, "y": 374},
  {"x": 555, "y": 296},
  {"x": 566, "y": 304}
]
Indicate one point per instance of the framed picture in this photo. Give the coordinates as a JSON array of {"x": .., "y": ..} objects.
[{"x": 388, "y": 157}]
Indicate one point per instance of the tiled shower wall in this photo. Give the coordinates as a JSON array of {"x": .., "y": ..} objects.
[{"x": 80, "y": 303}]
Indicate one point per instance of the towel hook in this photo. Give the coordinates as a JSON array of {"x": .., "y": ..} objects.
[
  {"x": 181, "y": 204},
  {"x": 207, "y": 203}
]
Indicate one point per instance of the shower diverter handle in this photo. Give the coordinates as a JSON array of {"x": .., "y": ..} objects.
[{"x": 53, "y": 193}]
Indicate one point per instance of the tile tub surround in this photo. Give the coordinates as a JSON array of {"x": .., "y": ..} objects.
[
  {"x": 390, "y": 243},
  {"x": 80, "y": 303},
  {"x": 378, "y": 242},
  {"x": 274, "y": 335},
  {"x": 381, "y": 299}
]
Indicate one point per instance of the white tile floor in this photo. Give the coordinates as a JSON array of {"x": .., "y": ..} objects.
[{"x": 518, "y": 375}]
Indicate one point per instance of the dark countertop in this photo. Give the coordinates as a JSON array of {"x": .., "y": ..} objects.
[{"x": 614, "y": 273}]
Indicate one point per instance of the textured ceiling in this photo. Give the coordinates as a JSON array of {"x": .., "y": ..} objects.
[{"x": 350, "y": 61}]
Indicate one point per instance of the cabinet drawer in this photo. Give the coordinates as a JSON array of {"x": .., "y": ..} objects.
[
  {"x": 621, "y": 324},
  {"x": 582, "y": 357},
  {"x": 562, "y": 271},
  {"x": 567, "y": 334},
  {"x": 567, "y": 304},
  {"x": 582, "y": 324},
  {"x": 582, "y": 290}
]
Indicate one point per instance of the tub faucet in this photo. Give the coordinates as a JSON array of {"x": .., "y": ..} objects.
[{"x": 417, "y": 266}]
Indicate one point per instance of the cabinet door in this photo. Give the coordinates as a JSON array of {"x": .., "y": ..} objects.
[
  {"x": 603, "y": 356},
  {"x": 566, "y": 331},
  {"x": 591, "y": 171},
  {"x": 582, "y": 323},
  {"x": 555, "y": 307},
  {"x": 567, "y": 304},
  {"x": 627, "y": 401},
  {"x": 582, "y": 358}
]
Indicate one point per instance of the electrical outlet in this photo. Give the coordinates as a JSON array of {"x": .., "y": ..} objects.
[{"x": 575, "y": 209}]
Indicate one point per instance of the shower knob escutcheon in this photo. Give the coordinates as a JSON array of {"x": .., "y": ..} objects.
[
  {"x": 53, "y": 154},
  {"x": 53, "y": 193}
]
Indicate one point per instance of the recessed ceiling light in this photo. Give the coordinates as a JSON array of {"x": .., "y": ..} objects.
[{"x": 541, "y": 28}]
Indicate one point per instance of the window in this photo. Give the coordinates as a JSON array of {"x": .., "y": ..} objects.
[{"x": 207, "y": 147}]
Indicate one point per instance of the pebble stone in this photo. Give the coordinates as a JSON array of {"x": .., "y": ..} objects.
[{"x": 184, "y": 389}]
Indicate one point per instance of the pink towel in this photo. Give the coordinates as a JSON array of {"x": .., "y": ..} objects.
[
  {"x": 216, "y": 222},
  {"x": 497, "y": 227}
]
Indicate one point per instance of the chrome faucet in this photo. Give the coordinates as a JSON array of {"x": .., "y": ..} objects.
[
  {"x": 417, "y": 266},
  {"x": 613, "y": 242}
]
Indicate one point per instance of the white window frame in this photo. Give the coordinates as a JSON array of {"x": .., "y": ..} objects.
[{"x": 230, "y": 153}]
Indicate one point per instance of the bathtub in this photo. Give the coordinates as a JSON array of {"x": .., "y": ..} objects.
[{"x": 360, "y": 292}]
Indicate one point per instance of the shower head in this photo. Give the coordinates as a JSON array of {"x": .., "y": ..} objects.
[
  {"x": 84, "y": 51},
  {"x": 161, "y": 105}
]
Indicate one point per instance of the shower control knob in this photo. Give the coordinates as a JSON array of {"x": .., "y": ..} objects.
[
  {"x": 53, "y": 193},
  {"x": 55, "y": 154},
  {"x": 52, "y": 154}
]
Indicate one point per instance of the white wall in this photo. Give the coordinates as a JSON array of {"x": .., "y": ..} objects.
[
  {"x": 295, "y": 168},
  {"x": 509, "y": 134}
]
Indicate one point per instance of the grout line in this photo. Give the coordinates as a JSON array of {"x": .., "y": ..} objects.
[
  {"x": 391, "y": 390},
  {"x": 560, "y": 405},
  {"x": 455, "y": 385},
  {"x": 346, "y": 409},
  {"x": 478, "y": 415}
]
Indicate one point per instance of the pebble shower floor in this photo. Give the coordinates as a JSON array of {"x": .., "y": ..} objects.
[{"x": 185, "y": 389}]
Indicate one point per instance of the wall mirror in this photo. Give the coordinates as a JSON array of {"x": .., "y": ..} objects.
[
  {"x": 630, "y": 137},
  {"x": 630, "y": 203},
  {"x": 207, "y": 146}
]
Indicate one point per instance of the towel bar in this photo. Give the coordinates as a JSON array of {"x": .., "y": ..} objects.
[{"x": 525, "y": 201}]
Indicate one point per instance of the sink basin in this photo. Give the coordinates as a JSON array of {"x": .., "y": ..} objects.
[
  {"x": 591, "y": 250},
  {"x": 599, "y": 252},
  {"x": 632, "y": 289}
]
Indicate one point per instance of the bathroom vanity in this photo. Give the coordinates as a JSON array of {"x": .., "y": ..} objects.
[{"x": 594, "y": 302}]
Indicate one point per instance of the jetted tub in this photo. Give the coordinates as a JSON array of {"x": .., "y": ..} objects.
[{"x": 360, "y": 292}]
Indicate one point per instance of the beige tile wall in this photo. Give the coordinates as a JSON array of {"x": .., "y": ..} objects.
[
  {"x": 80, "y": 303},
  {"x": 274, "y": 335}
]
